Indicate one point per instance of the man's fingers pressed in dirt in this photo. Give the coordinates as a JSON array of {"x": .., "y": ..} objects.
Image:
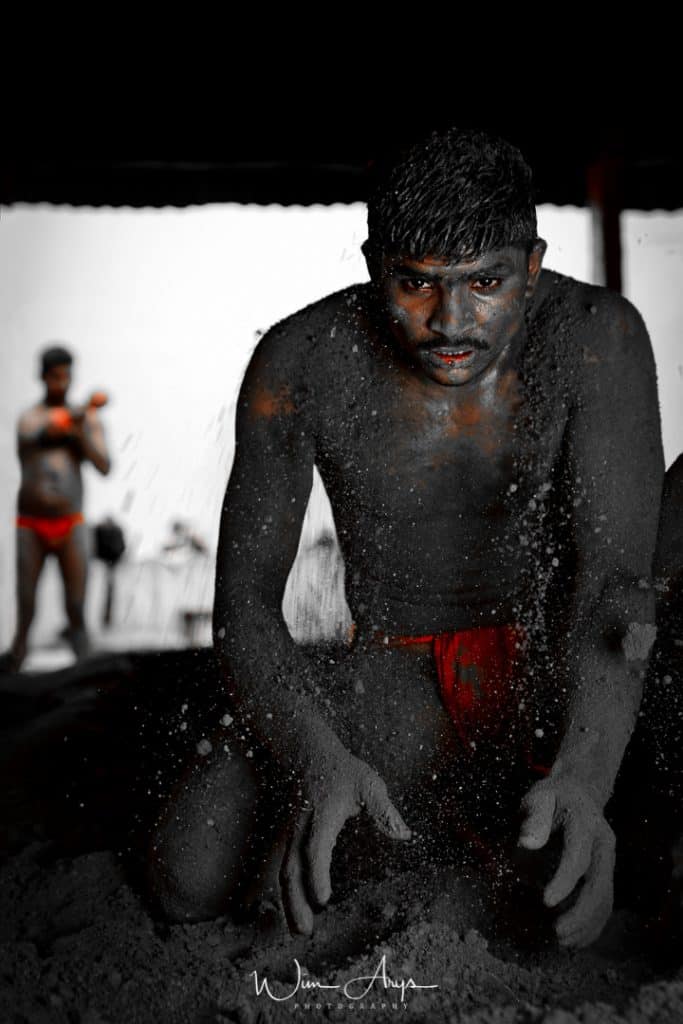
[
  {"x": 582, "y": 924},
  {"x": 304, "y": 875},
  {"x": 574, "y": 862},
  {"x": 539, "y": 810},
  {"x": 292, "y": 878},
  {"x": 325, "y": 827},
  {"x": 376, "y": 801}
]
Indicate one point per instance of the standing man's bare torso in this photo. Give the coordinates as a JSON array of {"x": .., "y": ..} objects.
[{"x": 51, "y": 482}]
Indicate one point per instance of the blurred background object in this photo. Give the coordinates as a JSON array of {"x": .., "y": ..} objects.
[{"x": 109, "y": 547}]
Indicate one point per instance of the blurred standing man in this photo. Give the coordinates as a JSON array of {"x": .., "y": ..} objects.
[{"x": 53, "y": 440}]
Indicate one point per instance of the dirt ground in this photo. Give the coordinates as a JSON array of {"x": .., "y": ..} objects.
[{"x": 79, "y": 946}]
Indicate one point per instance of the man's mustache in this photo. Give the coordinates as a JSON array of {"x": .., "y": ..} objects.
[{"x": 461, "y": 342}]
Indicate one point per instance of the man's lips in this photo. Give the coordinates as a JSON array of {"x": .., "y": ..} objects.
[{"x": 453, "y": 356}]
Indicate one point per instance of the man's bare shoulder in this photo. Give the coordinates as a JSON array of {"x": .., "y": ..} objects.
[
  {"x": 279, "y": 377},
  {"x": 589, "y": 327},
  {"x": 31, "y": 417},
  {"x": 601, "y": 323},
  {"x": 313, "y": 323}
]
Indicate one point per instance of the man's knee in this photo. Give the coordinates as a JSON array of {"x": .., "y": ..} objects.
[
  {"x": 187, "y": 878},
  {"x": 197, "y": 852}
]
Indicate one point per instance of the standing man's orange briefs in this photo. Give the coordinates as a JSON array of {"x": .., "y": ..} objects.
[
  {"x": 479, "y": 673},
  {"x": 53, "y": 531}
]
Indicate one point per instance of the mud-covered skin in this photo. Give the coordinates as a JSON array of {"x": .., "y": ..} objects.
[
  {"x": 529, "y": 493},
  {"x": 51, "y": 457}
]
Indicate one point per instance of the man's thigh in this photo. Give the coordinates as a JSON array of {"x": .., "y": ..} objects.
[
  {"x": 384, "y": 705},
  {"x": 72, "y": 556},
  {"x": 31, "y": 554}
]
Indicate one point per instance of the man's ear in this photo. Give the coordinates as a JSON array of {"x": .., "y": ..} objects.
[
  {"x": 534, "y": 264},
  {"x": 372, "y": 260}
]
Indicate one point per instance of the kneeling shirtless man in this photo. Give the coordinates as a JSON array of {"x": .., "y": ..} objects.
[{"x": 488, "y": 434}]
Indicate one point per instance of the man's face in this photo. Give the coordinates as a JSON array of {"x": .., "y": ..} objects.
[
  {"x": 57, "y": 380},
  {"x": 453, "y": 319}
]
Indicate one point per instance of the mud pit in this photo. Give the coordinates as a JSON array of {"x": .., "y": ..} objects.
[{"x": 79, "y": 946}]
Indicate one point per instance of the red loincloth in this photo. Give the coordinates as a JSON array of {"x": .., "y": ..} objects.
[
  {"x": 54, "y": 531},
  {"x": 481, "y": 679}
]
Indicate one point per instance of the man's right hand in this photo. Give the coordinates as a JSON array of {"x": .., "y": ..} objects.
[{"x": 334, "y": 787}]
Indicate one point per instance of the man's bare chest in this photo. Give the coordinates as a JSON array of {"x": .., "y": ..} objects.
[{"x": 383, "y": 447}]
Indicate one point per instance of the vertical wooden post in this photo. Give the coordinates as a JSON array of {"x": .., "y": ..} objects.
[{"x": 604, "y": 187}]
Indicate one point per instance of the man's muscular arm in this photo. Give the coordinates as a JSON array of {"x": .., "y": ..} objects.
[
  {"x": 93, "y": 445},
  {"x": 614, "y": 471},
  {"x": 269, "y": 678}
]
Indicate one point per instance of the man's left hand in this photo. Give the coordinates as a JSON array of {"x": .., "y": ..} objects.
[{"x": 588, "y": 853}]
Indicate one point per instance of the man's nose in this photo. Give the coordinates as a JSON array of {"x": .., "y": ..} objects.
[{"x": 452, "y": 316}]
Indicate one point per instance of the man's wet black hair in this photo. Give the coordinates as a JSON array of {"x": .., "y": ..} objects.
[
  {"x": 455, "y": 195},
  {"x": 56, "y": 355}
]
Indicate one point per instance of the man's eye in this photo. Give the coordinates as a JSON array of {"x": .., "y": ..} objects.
[
  {"x": 485, "y": 284},
  {"x": 417, "y": 284}
]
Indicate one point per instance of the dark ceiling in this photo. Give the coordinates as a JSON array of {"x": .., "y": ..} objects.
[{"x": 293, "y": 154}]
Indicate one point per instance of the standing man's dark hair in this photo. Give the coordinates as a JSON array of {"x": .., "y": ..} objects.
[
  {"x": 55, "y": 355},
  {"x": 456, "y": 194}
]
